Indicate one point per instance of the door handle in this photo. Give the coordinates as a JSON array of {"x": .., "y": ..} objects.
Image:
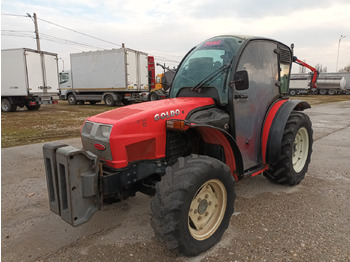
[{"x": 240, "y": 96}]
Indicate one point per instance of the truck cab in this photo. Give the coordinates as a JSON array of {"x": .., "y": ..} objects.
[{"x": 65, "y": 83}]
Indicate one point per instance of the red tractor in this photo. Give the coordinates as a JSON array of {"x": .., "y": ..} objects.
[{"x": 228, "y": 117}]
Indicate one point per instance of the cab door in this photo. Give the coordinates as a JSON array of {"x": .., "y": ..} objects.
[{"x": 260, "y": 60}]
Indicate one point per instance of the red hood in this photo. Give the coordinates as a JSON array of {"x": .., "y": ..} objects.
[
  {"x": 139, "y": 131},
  {"x": 151, "y": 110}
]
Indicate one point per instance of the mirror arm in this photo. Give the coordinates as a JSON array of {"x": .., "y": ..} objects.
[{"x": 235, "y": 81}]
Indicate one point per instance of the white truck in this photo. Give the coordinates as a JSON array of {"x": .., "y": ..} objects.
[
  {"x": 28, "y": 78},
  {"x": 116, "y": 76}
]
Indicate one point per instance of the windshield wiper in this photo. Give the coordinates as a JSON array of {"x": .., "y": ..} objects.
[{"x": 197, "y": 88}]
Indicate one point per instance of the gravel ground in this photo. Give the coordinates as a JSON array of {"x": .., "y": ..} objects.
[{"x": 309, "y": 222}]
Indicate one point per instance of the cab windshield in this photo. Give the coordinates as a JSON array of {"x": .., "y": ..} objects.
[{"x": 210, "y": 57}]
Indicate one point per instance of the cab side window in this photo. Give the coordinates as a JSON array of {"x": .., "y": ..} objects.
[{"x": 260, "y": 61}]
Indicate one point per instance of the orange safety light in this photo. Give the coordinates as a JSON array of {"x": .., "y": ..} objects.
[{"x": 177, "y": 125}]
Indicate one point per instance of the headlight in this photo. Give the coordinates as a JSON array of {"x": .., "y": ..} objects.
[
  {"x": 103, "y": 131},
  {"x": 87, "y": 128}
]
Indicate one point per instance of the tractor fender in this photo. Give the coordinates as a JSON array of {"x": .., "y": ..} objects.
[
  {"x": 274, "y": 125},
  {"x": 215, "y": 135}
]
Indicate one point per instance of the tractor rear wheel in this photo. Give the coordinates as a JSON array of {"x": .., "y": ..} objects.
[
  {"x": 193, "y": 204},
  {"x": 296, "y": 151}
]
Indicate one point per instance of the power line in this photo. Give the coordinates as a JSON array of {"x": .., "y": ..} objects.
[
  {"x": 15, "y": 31},
  {"x": 166, "y": 59},
  {"x": 69, "y": 42},
  {"x": 14, "y": 15},
  {"x": 28, "y": 34},
  {"x": 66, "y": 41},
  {"x": 75, "y": 31}
]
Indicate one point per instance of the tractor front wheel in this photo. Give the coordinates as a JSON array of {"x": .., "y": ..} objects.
[
  {"x": 193, "y": 204},
  {"x": 296, "y": 151}
]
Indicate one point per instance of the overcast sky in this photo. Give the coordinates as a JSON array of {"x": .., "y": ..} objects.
[{"x": 167, "y": 29}]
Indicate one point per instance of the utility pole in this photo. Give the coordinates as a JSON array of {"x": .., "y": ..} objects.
[
  {"x": 35, "y": 20},
  {"x": 42, "y": 60},
  {"x": 36, "y": 32},
  {"x": 341, "y": 37}
]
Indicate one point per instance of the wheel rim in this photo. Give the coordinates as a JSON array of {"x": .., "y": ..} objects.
[
  {"x": 300, "y": 149},
  {"x": 5, "y": 106},
  {"x": 109, "y": 100},
  {"x": 153, "y": 97},
  {"x": 207, "y": 209},
  {"x": 71, "y": 99}
]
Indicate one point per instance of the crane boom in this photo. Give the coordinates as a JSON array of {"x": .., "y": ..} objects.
[{"x": 315, "y": 73}]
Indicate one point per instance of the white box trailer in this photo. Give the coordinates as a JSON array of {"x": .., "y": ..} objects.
[
  {"x": 115, "y": 76},
  {"x": 28, "y": 78}
]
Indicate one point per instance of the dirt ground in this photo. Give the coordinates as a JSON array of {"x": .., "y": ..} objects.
[
  {"x": 309, "y": 222},
  {"x": 49, "y": 123}
]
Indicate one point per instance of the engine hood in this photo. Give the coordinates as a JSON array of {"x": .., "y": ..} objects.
[
  {"x": 139, "y": 131},
  {"x": 152, "y": 111}
]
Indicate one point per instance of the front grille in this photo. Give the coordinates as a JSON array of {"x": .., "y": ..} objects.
[{"x": 92, "y": 139}]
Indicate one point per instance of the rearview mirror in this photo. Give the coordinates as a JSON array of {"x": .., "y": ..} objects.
[{"x": 241, "y": 80}]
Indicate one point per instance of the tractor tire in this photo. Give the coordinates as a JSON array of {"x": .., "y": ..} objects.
[
  {"x": 296, "y": 149},
  {"x": 7, "y": 105},
  {"x": 193, "y": 204},
  {"x": 72, "y": 99},
  {"x": 109, "y": 100}
]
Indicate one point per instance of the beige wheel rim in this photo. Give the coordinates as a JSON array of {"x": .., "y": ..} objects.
[
  {"x": 300, "y": 149},
  {"x": 207, "y": 209}
]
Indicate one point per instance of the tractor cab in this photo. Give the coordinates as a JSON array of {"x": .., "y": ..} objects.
[
  {"x": 214, "y": 66},
  {"x": 244, "y": 76}
]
